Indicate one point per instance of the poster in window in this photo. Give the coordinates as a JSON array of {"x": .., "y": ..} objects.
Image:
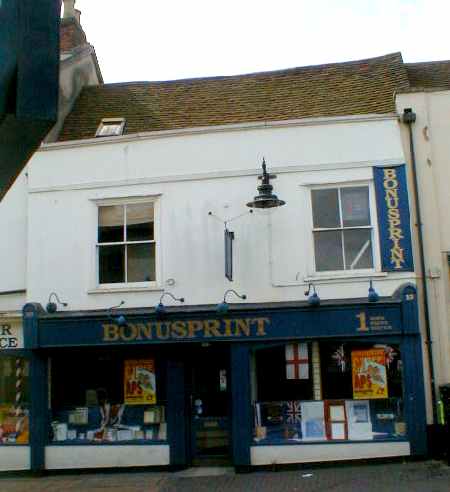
[
  {"x": 139, "y": 382},
  {"x": 359, "y": 423},
  {"x": 313, "y": 421},
  {"x": 369, "y": 377}
]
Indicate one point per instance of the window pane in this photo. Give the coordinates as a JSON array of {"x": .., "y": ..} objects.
[
  {"x": 141, "y": 262},
  {"x": 108, "y": 129},
  {"x": 328, "y": 249},
  {"x": 355, "y": 206},
  {"x": 110, "y": 224},
  {"x": 325, "y": 207},
  {"x": 111, "y": 264},
  {"x": 358, "y": 248},
  {"x": 140, "y": 222}
]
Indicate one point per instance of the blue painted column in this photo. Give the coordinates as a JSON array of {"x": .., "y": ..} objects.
[
  {"x": 241, "y": 406},
  {"x": 176, "y": 414},
  {"x": 414, "y": 391},
  {"x": 39, "y": 411},
  {"x": 39, "y": 387}
]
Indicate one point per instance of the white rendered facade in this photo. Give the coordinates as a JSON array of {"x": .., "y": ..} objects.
[{"x": 432, "y": 152}]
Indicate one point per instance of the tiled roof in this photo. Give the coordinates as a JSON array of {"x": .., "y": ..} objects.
[
  {"x": 429, "y": 75},
  {"x": 338, "y": 89}
]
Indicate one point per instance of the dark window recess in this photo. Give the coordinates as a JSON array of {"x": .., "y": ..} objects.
[
  {"x": 325, "y": 204},
  {"x": 337, "y": 383},
  {"x": 134, "y": 260},
  {"x": 342, "y": 229},
  {"x": 328, "y": 248},
  {"x": 71, "y": 379},
  {"x": 272, "y": 384},
  {"x": 141, "y": 262},
  {"x": 112, "y": 264}
]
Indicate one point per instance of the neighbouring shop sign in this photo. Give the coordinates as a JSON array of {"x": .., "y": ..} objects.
[
  {"x": 11, "y": 335},
  {"x": 393, "y": 219},
  {"x": 369, "y": 377},
  {"x": 139, "y": 382}
]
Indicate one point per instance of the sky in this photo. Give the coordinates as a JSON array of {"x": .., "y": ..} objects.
[{"x": 173, "y": 39}]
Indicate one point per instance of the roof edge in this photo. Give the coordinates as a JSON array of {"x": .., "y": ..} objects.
[
  {"x": 256, "y": 125},
  {"x": 262, "y": 73}
]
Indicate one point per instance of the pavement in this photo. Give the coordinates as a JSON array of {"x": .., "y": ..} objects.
[{"x": 425, "y": 476}]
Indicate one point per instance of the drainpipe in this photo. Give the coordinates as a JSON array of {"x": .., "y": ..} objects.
[{"x": 409, "y": 117}]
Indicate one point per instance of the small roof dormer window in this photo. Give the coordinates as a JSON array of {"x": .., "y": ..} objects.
[{"x": 110, "y": 127}]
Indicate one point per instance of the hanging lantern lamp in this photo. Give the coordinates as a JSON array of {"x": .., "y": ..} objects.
[{"x": 265, "y": 198}]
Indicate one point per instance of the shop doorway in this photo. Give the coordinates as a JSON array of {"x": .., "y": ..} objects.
[{"x": 210, "y": 405}]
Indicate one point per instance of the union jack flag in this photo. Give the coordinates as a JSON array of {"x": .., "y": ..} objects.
[{"x": 292, "y": 412}]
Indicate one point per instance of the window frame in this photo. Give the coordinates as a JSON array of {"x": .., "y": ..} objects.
[
  {"x": 153, "y": 284},
  {"x": 373, "y": 227}
]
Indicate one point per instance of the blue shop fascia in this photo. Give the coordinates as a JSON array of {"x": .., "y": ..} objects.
[{"x": 262, "y": 384}]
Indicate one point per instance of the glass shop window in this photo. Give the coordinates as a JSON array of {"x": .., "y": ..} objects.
[
  {"x": 14, "y": 400},
  {"x": 342, "y": 228},
  {"x": 107, "y": 398},
  {"x": 126, "y": 243},
  {"x": 328, "y": 391}
]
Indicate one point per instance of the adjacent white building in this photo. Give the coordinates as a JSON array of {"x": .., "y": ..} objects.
[{"x": 429, "y": 99}]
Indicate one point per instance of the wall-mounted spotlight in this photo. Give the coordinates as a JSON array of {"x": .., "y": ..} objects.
[
  {"x": 373, "y": 295},
  {"x": 313, "y": 299},
  {"x": 120, "y": 320},
  {"x": 52, "y": 307},
  {"x": 160, "y": 309},
  {"x": 222, "y": 307},
  {"x": 265, "y": 198}
]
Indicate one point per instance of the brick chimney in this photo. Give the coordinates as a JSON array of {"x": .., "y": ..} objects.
[{"x": 71, "y": 32}]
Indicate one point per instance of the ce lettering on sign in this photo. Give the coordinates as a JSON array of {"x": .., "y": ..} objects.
[{"x": 8, "y": 338}]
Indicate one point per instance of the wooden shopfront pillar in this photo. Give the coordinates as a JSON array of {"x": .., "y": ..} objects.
[{"x": 241, "y": 406}]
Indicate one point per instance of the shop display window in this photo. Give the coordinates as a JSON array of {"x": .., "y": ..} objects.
[
  {"x": 108, "y": 398},
  {"x": 328, "y": 391},
  {"x": 14, "y": 400}
]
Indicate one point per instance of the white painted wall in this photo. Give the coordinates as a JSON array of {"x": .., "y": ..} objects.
[
  {"x": 71, "y": 457},
  {"x": 194, "y": 174},
  {"x": 273, "y": 455},
  {"x": 14, "y": 458},
  {"x": 13, "y": 245},
  {"x": 432, "y": 147},
  {"x": 76, "y": 71}
]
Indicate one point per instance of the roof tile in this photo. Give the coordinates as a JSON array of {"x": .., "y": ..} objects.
[
  {"x": 429, "y": 75},
  {"x": 339, "y": 89}
]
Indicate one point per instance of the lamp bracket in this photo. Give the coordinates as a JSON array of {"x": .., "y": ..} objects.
[{"x": 226, "y": 222}]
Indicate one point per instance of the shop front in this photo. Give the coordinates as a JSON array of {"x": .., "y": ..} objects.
[
  {"x": 260, "y": 385},
  {"x": 14, "y": 396}
]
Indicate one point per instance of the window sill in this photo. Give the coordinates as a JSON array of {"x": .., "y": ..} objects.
[
  {"x": 300, "y": 442},
  {"x": 343, "y": 276},
  {"x": 125, "y": 288},
  {"x": 133, "y": 442}
]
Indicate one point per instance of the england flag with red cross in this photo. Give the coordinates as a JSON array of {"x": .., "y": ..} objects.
[{"x": 297, "y": 361}]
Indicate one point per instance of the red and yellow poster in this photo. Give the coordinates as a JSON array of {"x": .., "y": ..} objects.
[
  {"x": 369, "y": 375},
  {"x": 139, "y": 382}
]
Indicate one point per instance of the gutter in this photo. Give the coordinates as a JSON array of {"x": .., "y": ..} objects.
[
  {"x": 12, "y": 292},
  {"x": 408, "y": 118}
]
